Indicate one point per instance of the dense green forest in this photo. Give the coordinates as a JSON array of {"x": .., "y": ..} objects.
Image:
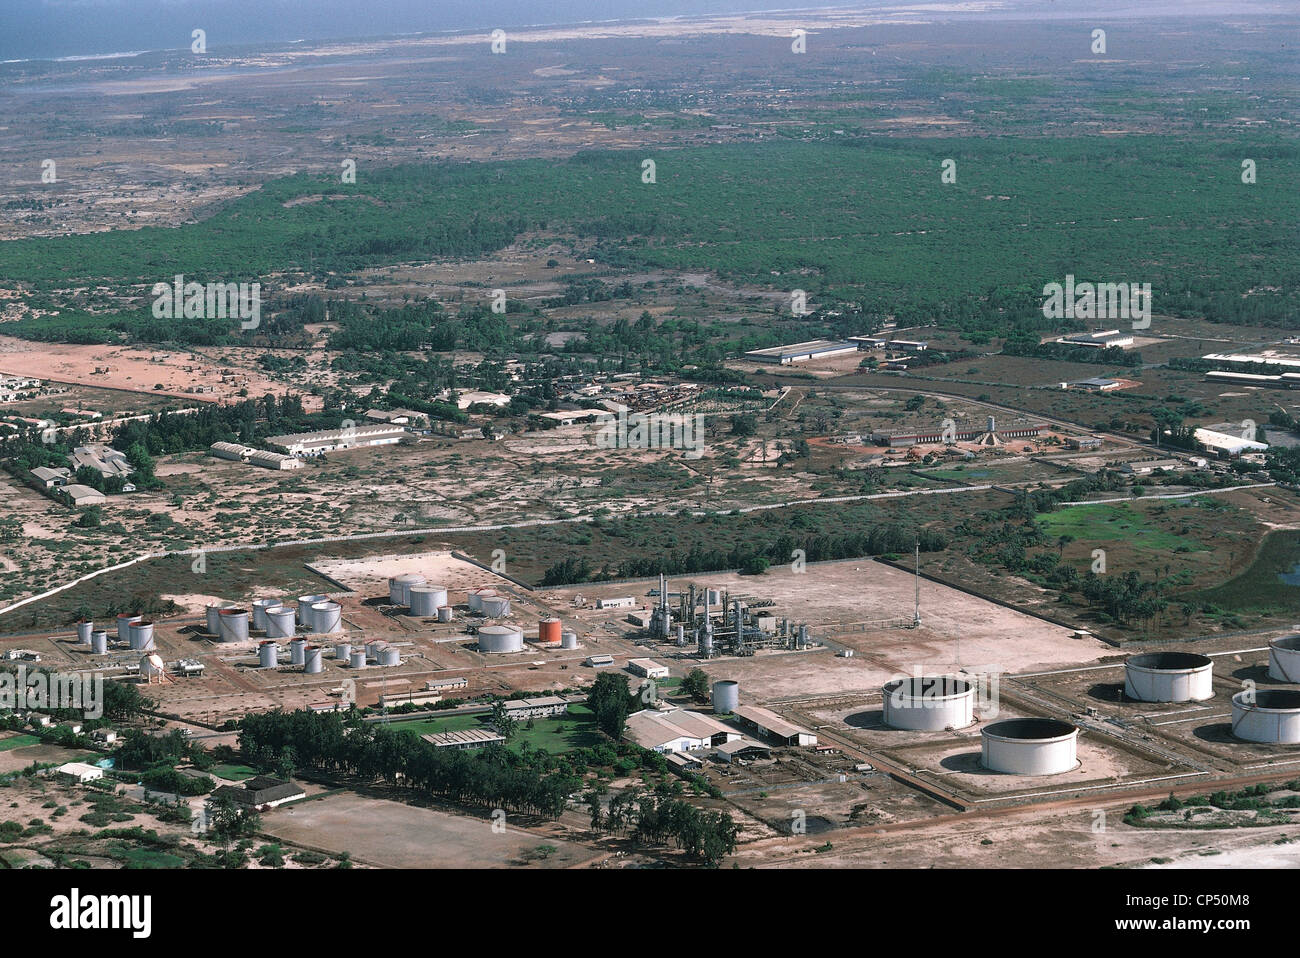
[{"x": 868, "y": 219}]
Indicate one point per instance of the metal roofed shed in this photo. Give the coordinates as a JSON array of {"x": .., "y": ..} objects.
[
  {"x": 678, "y": 730},
  {"x": 261, "y": 792},
  {"x": 743, "y": 748},
  {"x": 768, "y": 722},
  {"x": 468, "y": 738},
  {"x": 801, "y": 352},
  {"x": 648, "y": 668}
]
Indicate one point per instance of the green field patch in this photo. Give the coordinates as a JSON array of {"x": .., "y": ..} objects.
[
  {"x": 1119, "y": 523},
  {"x": 233, "y": 773},
  {"x": 18, "y": 741},
  {"x": 1261, "y": 588},
  {"x": 577, "y": 729}
]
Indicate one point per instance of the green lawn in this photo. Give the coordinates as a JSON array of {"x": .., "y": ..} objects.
[
  {"x": 579, "y": 729},
  {"x": 18, "y": 741},
  {"x": 1260, "y": 589},
  {"x": 232, "y": 773}
]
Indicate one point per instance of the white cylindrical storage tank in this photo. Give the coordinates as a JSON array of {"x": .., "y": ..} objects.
[
  {"x": 568, "y": 640},
  {"x": 259, "y": 611},
  {"x": 357, "y": 660},
  {"x": 327, "y": 618},
  {"x": 296, "y": 649},
  {"x": 929, "y": 703},
  {"x": 84, "y": 628},
  {"x": 1271, "y": 716},
  {"x": 726, "y": 696},
  {"x": 312, "y": 663},
  {"x": 123, "y": 623},
  {"x": 151, "y": 666},
  {"x": 475, "y": 598},
  {"x": 389, "y": 655},
  {"x": 305, "y": 603},
  {"x": 1169, "y": 677},
  {"x": 234, "y": 625},
  {"x": 495, "y": 606},
  {"x": 1030, "y": 746},
  {"x": 213, "y": 616},
  {"x": 681, "y": 634},
  {"x": 268, "y": 655},
  {"x": 426, "y": 599},
  {"x": 373, "y": 647},
  {"x": 140, "y": 635},
  {"x": 1284, "y": 659},
  {"x": 500, "y": 638},
  {"x": 444, "y": 613},
  {"x": 99, "y": 643},
  {"x": 399, "y": 587},
  {"x": 343, "y": 651},
  {"x": 280, "y": 622}
]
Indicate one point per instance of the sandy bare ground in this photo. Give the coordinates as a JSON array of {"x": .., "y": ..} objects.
[
  {"x": 394, "y": 835},
  {"x": 369, "y": 576}
]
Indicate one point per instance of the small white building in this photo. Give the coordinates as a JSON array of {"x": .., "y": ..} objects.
[
  {"x": 648, "y": 668},
  {"x": 618, "y": 602},
  {"x": 80, "y": 772},
  {"x": 84, "y": 495}
]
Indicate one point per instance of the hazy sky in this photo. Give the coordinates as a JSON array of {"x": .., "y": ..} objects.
[
  {"x": 59, "y": 28},
  {"x": 56, "y": 28}
]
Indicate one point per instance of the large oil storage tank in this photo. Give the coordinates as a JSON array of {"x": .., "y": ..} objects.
[
  {"x": 726, "y": 696},
  {"x": 212, "y": 615},
  {"x": 99, "y": 643},
  {"x": 500, "y": 638},
  {"x": 312, "y": 663},
  {"x": 425, "y": 599},
  {"x": 549, "y": 632},
  {"x": 357, "y": 660},
  {"x": 123, "y": 621},
  {"x": 151, "y": 667},
  {"x": 296, "y": 648},
  {"x": 268, "y": 655},
  {"x": 373, "y": 647},
  {"x": 1169, "y": 677},
  {"x": 444, "y": 613},
  {"x": 140, "y": 635},
  {"x": 84, "y": 628},
  {"x": 234, "y": 625},
  {"x": 475, "y": 598},
  {"x": 495, "y": 606},
  {"x": 1030, "y": 746},
  {"x": 327, "y": 618},
  {"x": 259, "y": 611},
  {"x": 305, "y": 603},
  {"x": 343, "y": 651},
  {"x": 1284, "y": 659},
  {"x": 1271, "y": 716},
  {"x": 929, "y": 703},
  {"x": 388, "y": 655},
  {"x": 568, "y": 640},
  {"x": 399, "y": 587},
  {"x": 280, "y": 622}
]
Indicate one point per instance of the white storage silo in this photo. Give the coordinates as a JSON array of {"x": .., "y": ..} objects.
[
  {"x": 495, "y": 606},
  {"x": 389, "y": 655},
  {"x": 123, "y": 621},
  {"x": 140, "y": 635},
  {"x": 425, "y": 600},
  {"x": 399, "y": 587},
  {"x": 929, "y": 703},
  {"x": 357, "y": 660},
  {"x": 1030, "y": 746},
  {"x": 1169, "y": 677},
  {"x": 296, "y": 651},
  {"x": 342, "y": 652},
  {"x": 726, "y": 696},
  {"x": 99, "y": 643},
  {"x": 259, "y": 611},
  {"x": 568, "y": 640},
  {"x": 280, "y": 622},
  {"x": 212, "y": 615},
  {"x": 1284, "y": 659},
  {"x": 268, "y": 655},
  {"x": 84, "y": 628},
  {"x": 1269, "y": 716},
  {"x": 475, "y": 598},
  {"x": 444, "y": 613},
  {"x": 495, "y": 639},
  {"x": 305, "y": 603},
  {"x": 312, "y": 664},
  {"x": 233, "y": 625},
  {"x": 326, "y": 618}
]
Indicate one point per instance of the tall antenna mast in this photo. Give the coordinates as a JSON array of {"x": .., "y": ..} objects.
[{"x": 916, "y": 613}]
